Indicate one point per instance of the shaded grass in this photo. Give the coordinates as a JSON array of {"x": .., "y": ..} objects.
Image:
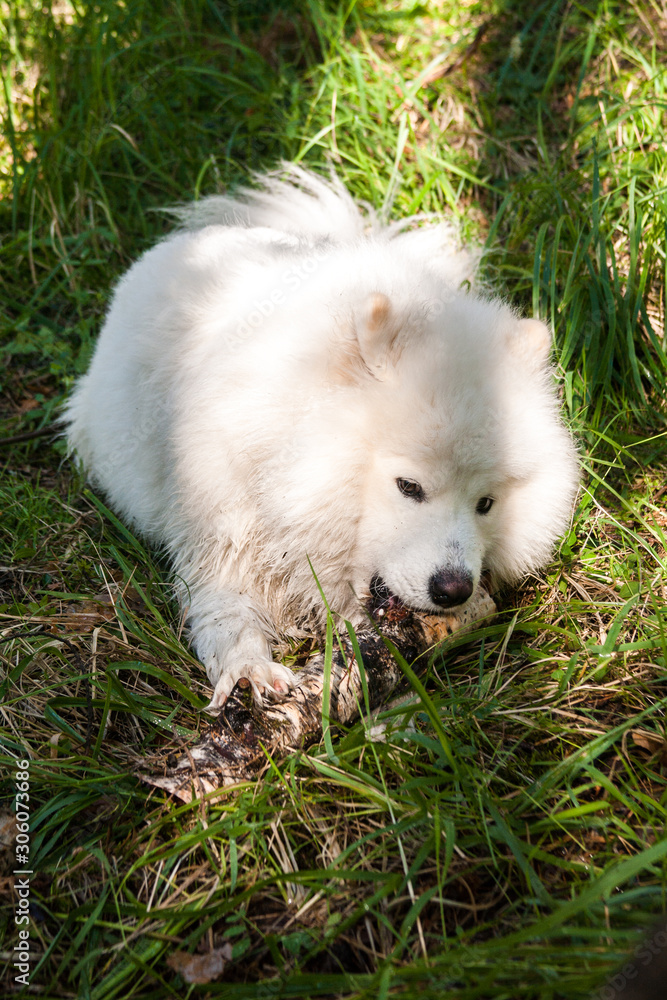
[{"x": 527, "y": 867}]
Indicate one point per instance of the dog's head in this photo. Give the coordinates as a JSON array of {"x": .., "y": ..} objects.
[{"x": 470, "y": 467}]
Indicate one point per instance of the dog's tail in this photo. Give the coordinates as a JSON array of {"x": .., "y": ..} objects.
[
  {"x": 299, "y": 202},
  {"x": 291, "y": 200}
]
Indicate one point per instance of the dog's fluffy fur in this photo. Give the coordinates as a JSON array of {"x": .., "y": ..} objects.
[{"x": 288, "y": 388}]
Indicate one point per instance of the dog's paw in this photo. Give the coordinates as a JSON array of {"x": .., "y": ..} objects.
[{"x": 268, "y": 680}]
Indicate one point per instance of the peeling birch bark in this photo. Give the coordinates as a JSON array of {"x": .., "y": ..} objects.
[{"x": 235, "y": 747}]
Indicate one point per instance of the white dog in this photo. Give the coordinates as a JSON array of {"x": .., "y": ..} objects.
[{"x": 290, "y": 390}]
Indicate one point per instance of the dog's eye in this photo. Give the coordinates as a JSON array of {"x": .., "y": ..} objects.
[
  {"x": 409, "y": 488},
  {"x": 484, "y": 505}
]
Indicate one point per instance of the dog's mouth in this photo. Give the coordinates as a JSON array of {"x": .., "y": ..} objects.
[{"x": 383, "y": 602}]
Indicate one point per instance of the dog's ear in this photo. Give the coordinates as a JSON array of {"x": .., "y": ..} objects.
[
  {"x": 366, "y": 353},
  {"x": 377, "y": 310},
  {"x": 531, "y": 339}
]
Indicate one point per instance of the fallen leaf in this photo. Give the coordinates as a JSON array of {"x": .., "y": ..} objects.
[
  {"x": 200, "y": 968},
  {"x": 28, "y": 404},
  {"x": 652, "y": 742},
  {"x": 7, "y": 829},
  {"x": 88, "y": 615}
]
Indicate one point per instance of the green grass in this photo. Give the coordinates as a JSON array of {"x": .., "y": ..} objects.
[{"x": 532, "y": 865}]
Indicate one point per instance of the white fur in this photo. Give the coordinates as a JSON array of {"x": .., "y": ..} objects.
[{"x": 266, "y": 375}]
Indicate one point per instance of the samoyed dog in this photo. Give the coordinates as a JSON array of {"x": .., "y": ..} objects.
[{"x": 289, "y": 394}]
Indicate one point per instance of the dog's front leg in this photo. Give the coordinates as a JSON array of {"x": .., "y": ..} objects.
[{"x": 228, "y": 637}]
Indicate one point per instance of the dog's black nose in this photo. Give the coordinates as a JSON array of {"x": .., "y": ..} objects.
[{"x": 450, "y": 587}]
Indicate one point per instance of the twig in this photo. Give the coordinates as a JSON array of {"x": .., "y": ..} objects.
[
  {"x": 28, "y": 435},
  {"x": 469, "y": 50},
  {"x": 235, "y": 747}
]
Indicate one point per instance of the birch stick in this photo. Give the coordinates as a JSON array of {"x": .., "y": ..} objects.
[{"x": 235, "y": 746}]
